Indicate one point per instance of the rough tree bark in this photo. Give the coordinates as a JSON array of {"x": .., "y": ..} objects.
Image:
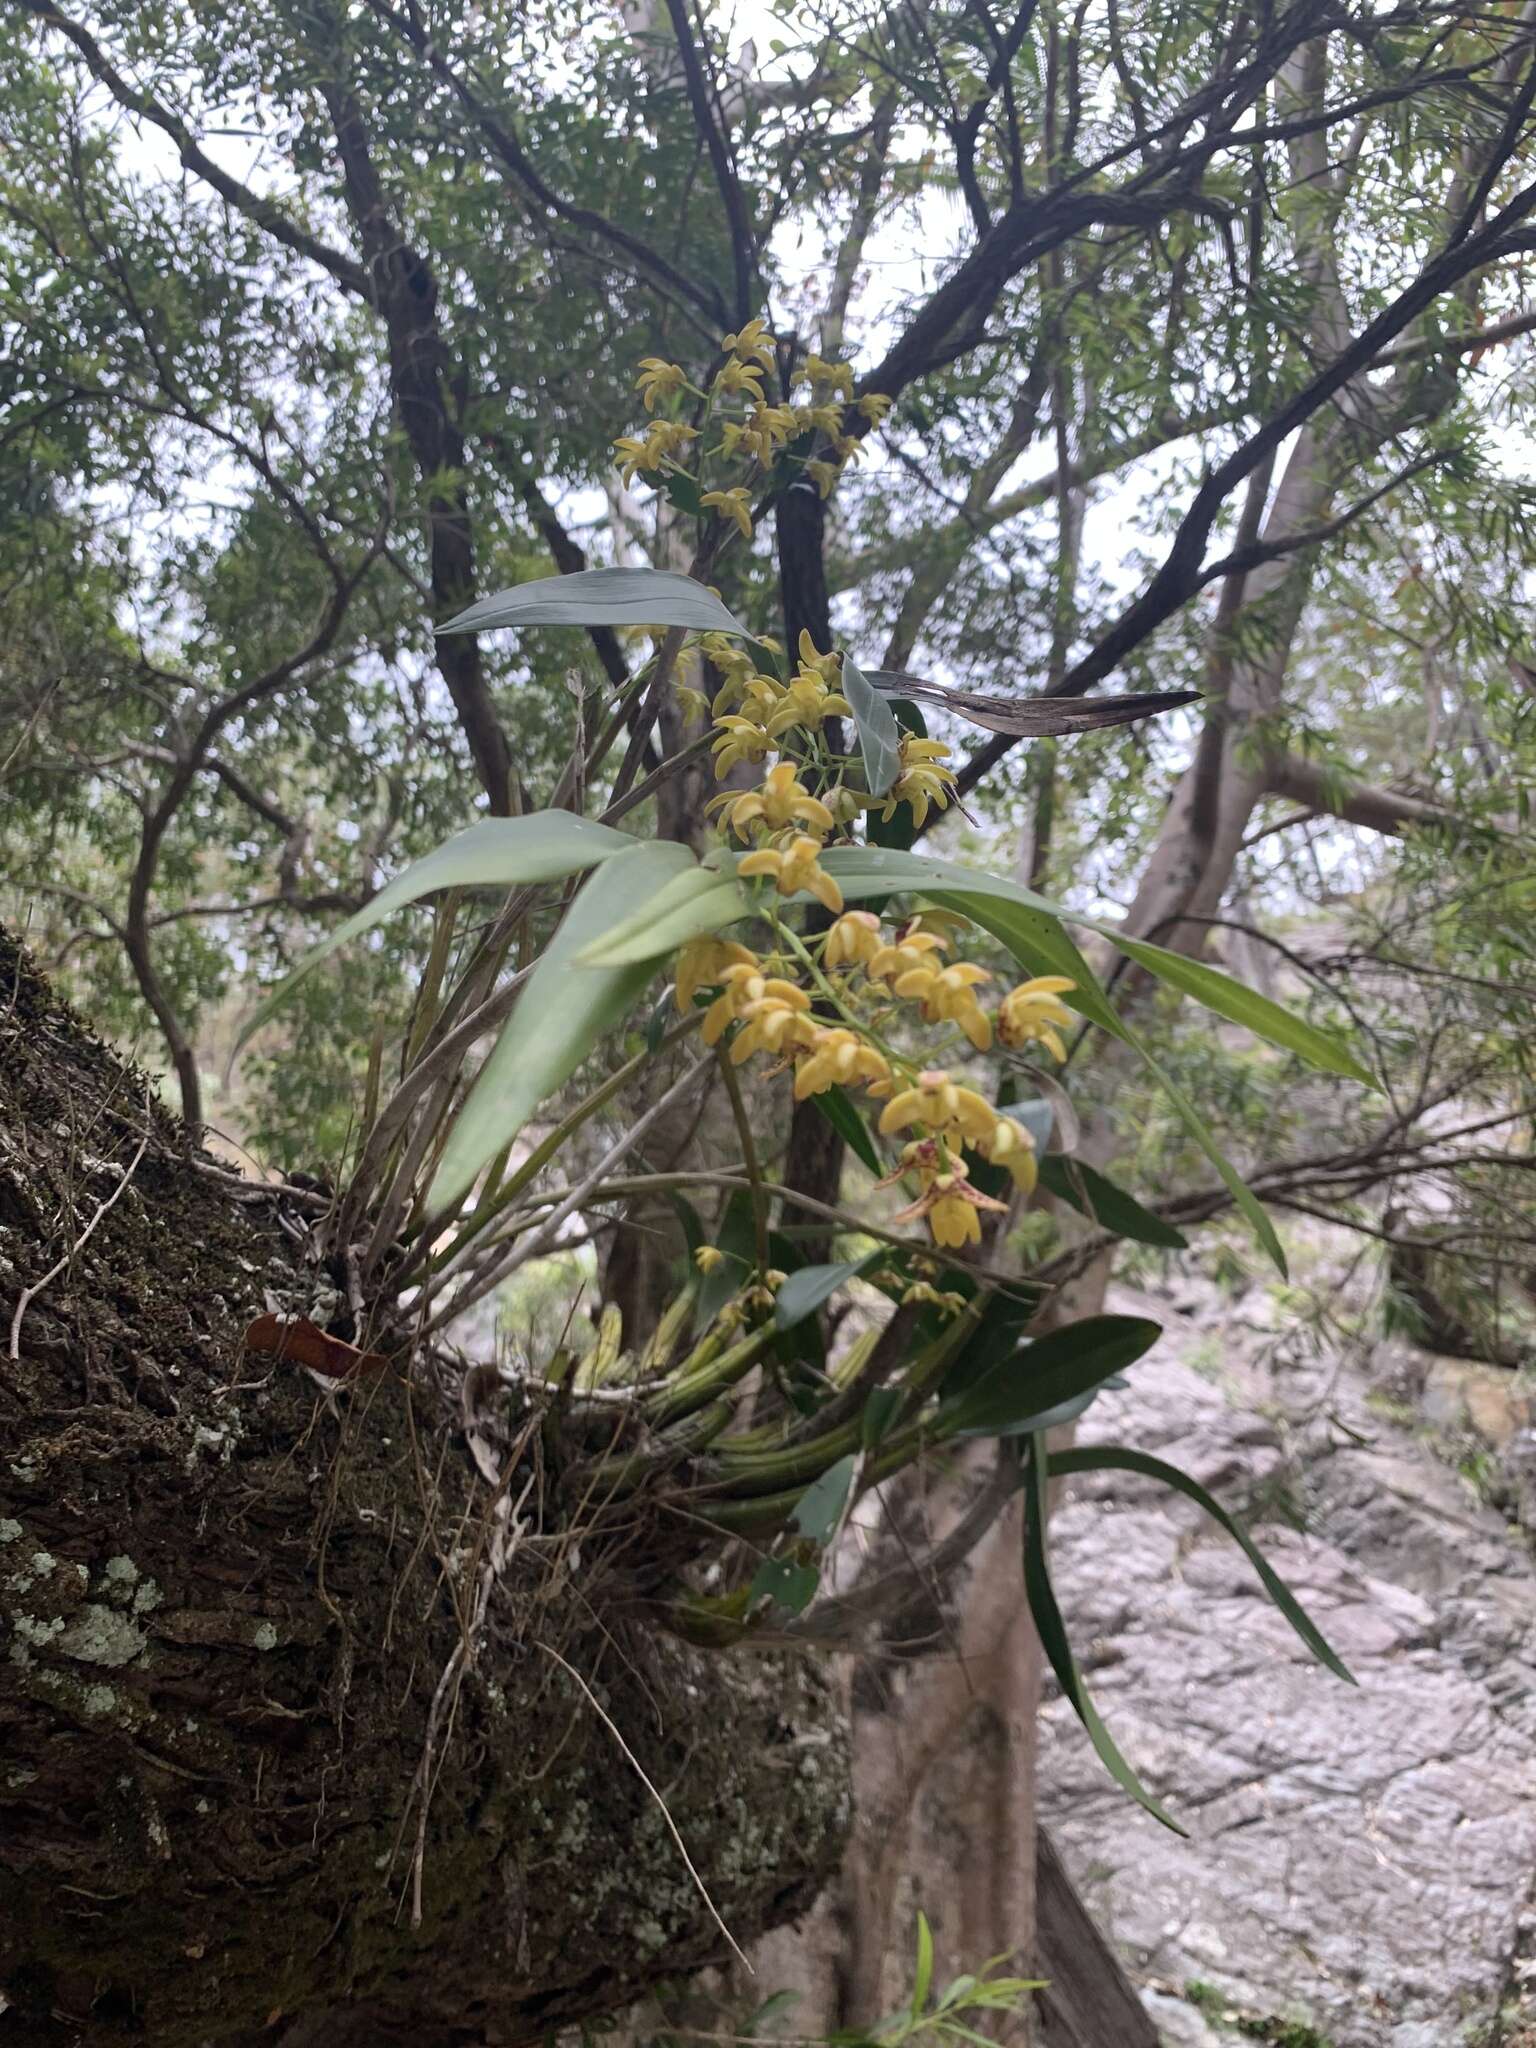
[{"x": 233, "y": 1606}]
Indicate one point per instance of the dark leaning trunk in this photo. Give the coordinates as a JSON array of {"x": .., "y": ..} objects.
[{"x": 226, "y": 1605}]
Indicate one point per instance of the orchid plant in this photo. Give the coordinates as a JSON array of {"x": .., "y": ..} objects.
[{"x": 798, "y": 941}]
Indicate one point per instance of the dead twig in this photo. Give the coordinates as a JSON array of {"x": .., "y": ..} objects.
[
  {"x": 634, "y": 1762},
  {"x": 30, "y": 1294}
]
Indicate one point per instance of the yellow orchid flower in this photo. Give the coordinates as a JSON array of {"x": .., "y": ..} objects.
[
  {"x": 827, "y": 666},
  {"x": 924, "y": 781},
  {"x": 782, "y": 800},
  {"x": 853, "y": 941},
  {"x": 732, "y": 505},
  {"x": 942, "y": 1105},
  {"x": 753, "y": 344},
  {"x": 836, "y": 1058},
  {"x": 836, "y": 376},
  {"x": 797, "y": 866},
  {"x": 740, "y": 985},
  {"x": 761, "y": 436},
  {"x": 1009, "y": 1145},
  {"x": 1035, "y": 1012},
  {"x": 741, "y": 739},
  {"x": 912, "y": 950},
  {"x": 737, "y": 378},
  {"x": 924, "y": 1292},
  {"x": 807, "y": 701},
  {"x": 775, "y": 1021},
  {"x": 703, "y": 964},
  {"x": 824, "y": 475},
  {"x": 874, "y": 405},
  {"x": 948, "y": 995},
  {"x": 948, "y": 1200},
  {"x": 662, "y": 440},
  {"x": 659, "y": 379},
  {"x": 954, "y": 1214}
]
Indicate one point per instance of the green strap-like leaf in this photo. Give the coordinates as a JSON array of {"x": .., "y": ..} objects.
[
  {"x": 560, "y": 1015},
  {"x": 736, "y": 1241},
  {"x": 820, "y": 1507},
  {"x": 602, "y": 597},
  {"x": 505, "y": 852},
  {"x": 804, "y": 1291},
  {"x": 1112, "y": 1458},
  {"x": 1008, "y": 1399},
  {"x": 697, "y": 904},
  {"x": 1053, "y": 1636},
  {"x": 837, "y": 1106},
  {"x": 879, "y": 734},
  {"x": 1092, "y": 1194},
  {"x": 1325, "y": 1050}
]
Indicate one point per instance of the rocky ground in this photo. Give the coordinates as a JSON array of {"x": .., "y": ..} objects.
[{"x": 1359, "y": 1862}]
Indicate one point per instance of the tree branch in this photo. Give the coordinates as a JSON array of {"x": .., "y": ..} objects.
[
  {"x": 404, "y": 289},
  {"x": 738, "y": 219},
  {"x": 1183, "y": 569},
  {"x": 1378, "y": 810}
]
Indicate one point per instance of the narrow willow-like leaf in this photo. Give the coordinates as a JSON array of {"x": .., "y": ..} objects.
[
  {"x": 922, "y": 1976},
  {"x": 561, "y": 1014},
  {"x": 1114, "y": 1458},
  {"x": 1053, "y": 1637},
  {"x": 1246, "y": 1200},
  {"x": 879, "y": 734},
  {"x": 1216, "y": 991},
  {"x": 509, "y": 852},
  {"x": 602, "y": 597}
]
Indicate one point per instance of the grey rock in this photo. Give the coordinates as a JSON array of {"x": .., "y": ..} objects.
[
  {"x": 1179, "y": 2025},
  {"x": 1358, "y": 1858}
]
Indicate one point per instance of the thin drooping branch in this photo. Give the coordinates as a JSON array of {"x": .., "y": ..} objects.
[
  {"x": 263, "y": 211},
  {"x": 975, "y": 522},
  {"x": 509, "y": 152},
  {"x": 137, "y": 920}
]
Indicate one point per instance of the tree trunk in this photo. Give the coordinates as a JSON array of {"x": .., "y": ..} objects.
[{"x": 254, "y": 1788}]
